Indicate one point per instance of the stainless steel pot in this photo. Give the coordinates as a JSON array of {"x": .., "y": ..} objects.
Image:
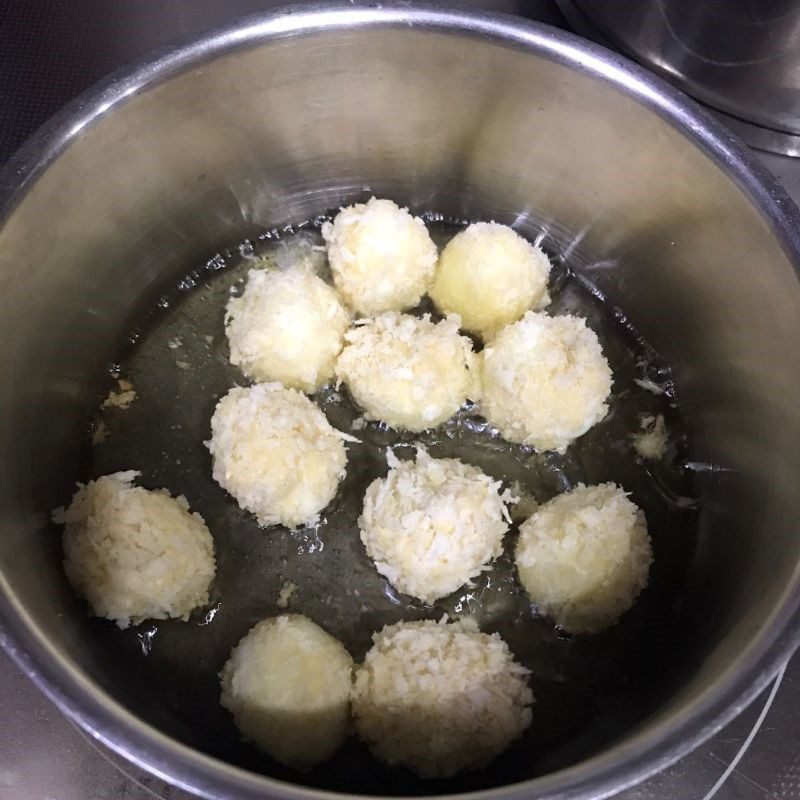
[
  {"x": 283, "y": 116},
  {"x": 740, "y": 57}
]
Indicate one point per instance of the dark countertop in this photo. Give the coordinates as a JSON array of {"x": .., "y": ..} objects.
[{"x": 50, "y": 50}]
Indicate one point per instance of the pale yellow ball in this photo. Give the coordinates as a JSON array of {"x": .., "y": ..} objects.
[
  {"x": 287, "y": 326},
  {"x": 276, "y": 453},
  {"x": 287, "y": 684},
  {"x": 545, "y": 381},
  {"x": 440, "y": 698},
  {"x": 135, "y": 553},
  {"x": 433, "y": 524},
  {"x": 490, "y": 276},
  {"x": 584, "y": 557},
  {"x": 410, "y": 373},
  {"x": 382, "y": 258}
]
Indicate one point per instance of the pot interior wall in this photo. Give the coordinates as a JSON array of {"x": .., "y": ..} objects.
[{"x": 276, "y": 132}]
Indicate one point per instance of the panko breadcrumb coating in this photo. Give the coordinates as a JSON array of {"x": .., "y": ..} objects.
[
  {"x": 433, "y": 524},
  {"x": 135, "y": 554},
  {"x": 490, "y": 276},
  {"x": 410, "y": 373},
  {"x": 651, "y": 442},
  {"x": 276, "y": 453},
  {"x": 545, "y": 381},
  {"x": 440, "y": 698},
  {"x": 584, "y": 557},
  {"x": 382, "y": 258},
  {"x": 287, "y": 326},
  {"x": 287, "y": 684}
]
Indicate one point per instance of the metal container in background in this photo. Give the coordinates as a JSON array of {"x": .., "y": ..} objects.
[{"x": 740, "y": 57}]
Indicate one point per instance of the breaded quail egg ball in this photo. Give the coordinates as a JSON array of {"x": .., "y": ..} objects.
[
  {"x": 287, "y": 684},
  {"x": 135, "y": 554},
  {"x": 490, "y": 276},
  {"x": 382, "y": 258},
  {"x": 433, "y": 524},
  {"x": 410, "y": 373},
  {"x": 440, "y": 698},
  {"x": 584, "y": 557},
  {"x": 545, "y": 381},
  {"x": 276, "y": 453},
  {"x": 287, "y": 326}
]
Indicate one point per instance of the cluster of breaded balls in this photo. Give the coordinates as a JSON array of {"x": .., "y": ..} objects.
[{"x": 436, "y": 698}]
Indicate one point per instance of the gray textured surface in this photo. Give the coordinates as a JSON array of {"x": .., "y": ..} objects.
[{"x": 51, "y": 50}]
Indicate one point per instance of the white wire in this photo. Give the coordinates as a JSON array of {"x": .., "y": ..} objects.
[{"x": 752, "y": 735}]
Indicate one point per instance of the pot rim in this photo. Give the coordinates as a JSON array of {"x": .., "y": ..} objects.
[{"x": 620, "y": 766}]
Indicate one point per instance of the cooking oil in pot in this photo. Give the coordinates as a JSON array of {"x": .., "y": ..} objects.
[{"x": 586, "y": 687}]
